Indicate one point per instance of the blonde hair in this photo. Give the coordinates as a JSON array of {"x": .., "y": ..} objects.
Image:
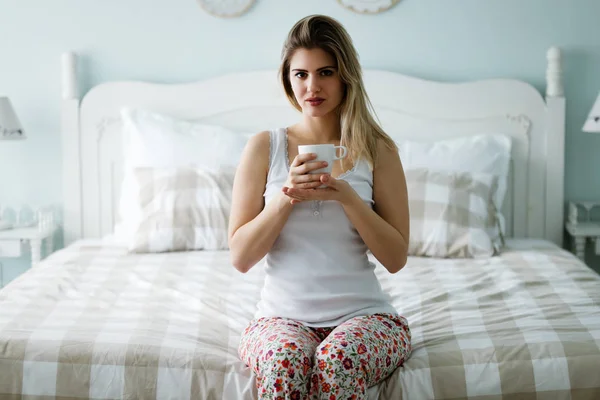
[{"x": 360, "y": 132}]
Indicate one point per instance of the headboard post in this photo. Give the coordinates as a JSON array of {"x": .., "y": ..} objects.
[
  {"x": 555, "y": 147},
  {"x": 554, "y": 81},
  {"x": 71, "y": 161}
]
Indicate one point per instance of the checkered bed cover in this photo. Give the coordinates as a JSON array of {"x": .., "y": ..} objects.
[{"x": 93, "y": 322}]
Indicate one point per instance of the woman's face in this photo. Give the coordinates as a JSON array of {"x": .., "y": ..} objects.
[{"x": 315, "y": 81}]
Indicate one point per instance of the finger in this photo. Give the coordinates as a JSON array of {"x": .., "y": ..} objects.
[
  {"x": 294, "y": 198},
  {"x": 302, "y": 158},
  {"x": 310, "y": 194},
  {"x": 308, "y": 185},
  {"x": 307, "y": 178},
  {"x": 298, "y": 192},
  {"x": 285, "y": 191},
  {"x": 329, "y": 180},
  {"x": 301, "y": 194},
  {"x": 311, "y": 166},
  {"x": 303, "y": 182},
  {"x": 294, "y": 191}
]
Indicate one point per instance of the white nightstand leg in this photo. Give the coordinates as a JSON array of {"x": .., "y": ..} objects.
[
  {"x": 36, "y": 251},
  {"x": 580, "y": 247}
]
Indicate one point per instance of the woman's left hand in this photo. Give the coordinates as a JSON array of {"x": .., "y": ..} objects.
[{"x": 337, "y": 189}]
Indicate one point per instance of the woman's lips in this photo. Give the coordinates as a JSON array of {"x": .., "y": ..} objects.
[{"x": 315, "y": 102}]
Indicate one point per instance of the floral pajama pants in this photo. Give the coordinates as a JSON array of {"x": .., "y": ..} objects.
[{"x": 294, "y": 361}]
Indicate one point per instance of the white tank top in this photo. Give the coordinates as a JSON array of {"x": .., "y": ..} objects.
[{"x": 317, "y": 271}]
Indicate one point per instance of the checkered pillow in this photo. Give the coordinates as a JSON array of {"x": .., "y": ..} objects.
[
  {"x": 452, "y": 214},
  {"x": 179, "y": 209}
]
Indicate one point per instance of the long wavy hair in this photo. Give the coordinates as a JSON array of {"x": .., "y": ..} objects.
[{"x": 360, "y": 132}]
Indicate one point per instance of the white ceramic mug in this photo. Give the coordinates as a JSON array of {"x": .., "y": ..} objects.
[{"x": 324, "y": 152}]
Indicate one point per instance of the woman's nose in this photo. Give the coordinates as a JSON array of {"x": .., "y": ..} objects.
[{"x": 313, "y": 85}]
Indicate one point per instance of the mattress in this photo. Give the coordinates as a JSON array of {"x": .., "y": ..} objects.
[{"x": 95, "y": 322}]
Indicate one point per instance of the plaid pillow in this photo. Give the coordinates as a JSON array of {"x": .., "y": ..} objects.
[
  {"x": 452, "y": 214},
  {"x": 180, "y": 208}
]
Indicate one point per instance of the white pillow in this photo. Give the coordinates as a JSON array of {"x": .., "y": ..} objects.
[
  {"x": 489, "y": 154},
  {"x": 152, "y": 139},
  {"x": 156, "y": 140}
]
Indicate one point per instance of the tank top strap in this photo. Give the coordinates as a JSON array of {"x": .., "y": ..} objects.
[{"x": 278, "y": 154}]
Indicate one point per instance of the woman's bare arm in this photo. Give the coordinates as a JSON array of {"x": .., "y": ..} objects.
[
  {"x": 385, "y": 229},
  {"x": 253, "y": 228}
]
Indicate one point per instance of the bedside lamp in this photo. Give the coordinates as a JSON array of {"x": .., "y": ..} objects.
[
  {"x": 586, "y": 230},
  {"x": 592, "y": 124},
  {"x": 10, "y": 126},
  {"x": 10, "y": 129}
]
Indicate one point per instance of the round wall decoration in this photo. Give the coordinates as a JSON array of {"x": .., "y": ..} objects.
[
  {"x": 226, "y": 8},
  {"x": 368, "y": 6}
]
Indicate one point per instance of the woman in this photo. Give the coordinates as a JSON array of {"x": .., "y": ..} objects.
[{"x": 324, "y": 328}]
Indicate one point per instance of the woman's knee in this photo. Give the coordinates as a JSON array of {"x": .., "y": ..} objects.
[
  {"x": 335, "y": 355},
  {"x": 285, "y": 370},
  {"x": 339, "y": 368},
  {"x": 287, "y": 358},
  {"x": 364, "y": 351}
]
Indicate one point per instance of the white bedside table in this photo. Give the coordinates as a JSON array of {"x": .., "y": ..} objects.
[
  {"x": 12, "y": 240},
  {"x": 580, "y": 232}
]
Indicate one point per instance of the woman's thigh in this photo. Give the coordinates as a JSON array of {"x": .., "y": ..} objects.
[
  {"x": 365, "y": 349},
  {"x": 276, "y": 344}
]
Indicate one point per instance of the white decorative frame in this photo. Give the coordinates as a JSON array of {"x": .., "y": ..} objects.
[
  {"x": 226, "y": 8},
  {"x": 407, "y": 107},
  {"x": 368, "y": 6}
]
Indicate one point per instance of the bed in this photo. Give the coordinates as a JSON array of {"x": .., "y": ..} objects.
[{"x": 96, "y": 321}]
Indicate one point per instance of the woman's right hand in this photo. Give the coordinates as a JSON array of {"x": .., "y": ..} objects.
[{"x": 301, "y": 175}]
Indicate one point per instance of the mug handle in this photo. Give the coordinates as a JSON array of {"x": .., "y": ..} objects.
[{"x": 344, "y": 152}]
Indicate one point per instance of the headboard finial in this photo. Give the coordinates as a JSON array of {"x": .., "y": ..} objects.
[
  {"x": 554, "y": 83},
  {"x": 69, "y": 76}
]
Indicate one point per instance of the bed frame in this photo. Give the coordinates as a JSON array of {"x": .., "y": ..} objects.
[{"x": 407, "y": 107}]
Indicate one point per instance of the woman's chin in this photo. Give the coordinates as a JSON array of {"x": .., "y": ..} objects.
[{"x": 316, "y": 113}]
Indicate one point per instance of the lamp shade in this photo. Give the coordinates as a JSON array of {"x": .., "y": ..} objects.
[
  {"x": 10, "y": 126},
  {"x": 592, "y": 124}
]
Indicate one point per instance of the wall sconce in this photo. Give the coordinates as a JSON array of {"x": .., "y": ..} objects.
[{"x": 10, "y": 126}]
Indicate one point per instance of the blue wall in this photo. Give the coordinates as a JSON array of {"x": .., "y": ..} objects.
[{"x": 176, "y": 41}]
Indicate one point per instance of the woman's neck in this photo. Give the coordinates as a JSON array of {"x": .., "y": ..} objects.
[{"x": 319, "y": 130}]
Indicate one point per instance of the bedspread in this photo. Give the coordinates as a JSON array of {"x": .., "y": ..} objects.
[{"x": 95, "y": 322}]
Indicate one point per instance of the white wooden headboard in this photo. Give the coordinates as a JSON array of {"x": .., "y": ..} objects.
[{"x": 407, "y": 107}]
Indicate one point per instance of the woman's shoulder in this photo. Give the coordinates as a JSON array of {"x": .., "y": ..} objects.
[
  {"x": 257, "y": 148},
  {"x": 261, "y": 146},
  {"x": 259, "y": 142},
  {"x": 262, "y": 137}
]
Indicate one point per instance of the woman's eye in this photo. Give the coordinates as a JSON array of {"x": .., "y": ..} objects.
[
  {"x": 300, "y": 75},
  {"x": 327, "y": 72}
]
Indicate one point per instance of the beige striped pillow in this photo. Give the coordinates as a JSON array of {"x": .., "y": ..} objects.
[
  {"x": 180, "y": 209},
  {"x": 452, "y": 214}
]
